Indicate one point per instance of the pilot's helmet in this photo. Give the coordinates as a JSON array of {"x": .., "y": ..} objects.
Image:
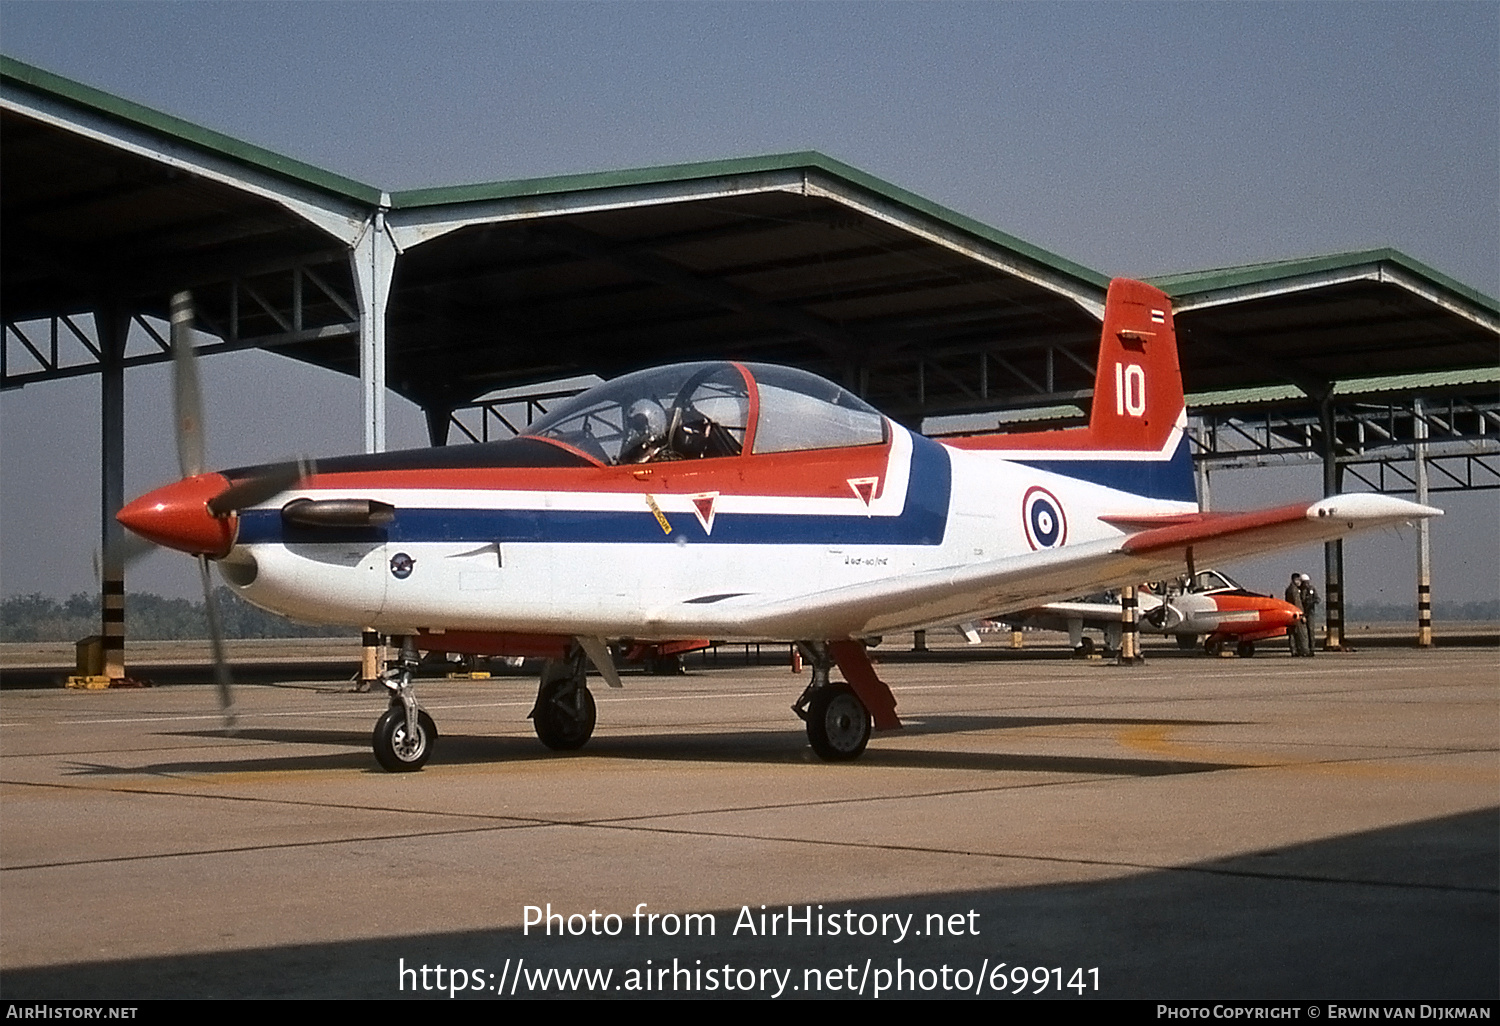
[
  {"x": 645, "y": 425},
  {"x": 1304, "y": 578}
]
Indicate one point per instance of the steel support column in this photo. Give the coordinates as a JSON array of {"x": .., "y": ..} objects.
[
  {"x": 1333, "y": 552},
  {"x": 439, "y": 420},
  {"x": 1200, "y": 467},
  {"x": 374, "y": 259},
  {"x": 1424, "y": 537},
  {"x": 112, "y": 327}
]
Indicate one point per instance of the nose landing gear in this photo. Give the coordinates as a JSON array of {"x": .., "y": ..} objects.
[{"x": 404, "y": 735}]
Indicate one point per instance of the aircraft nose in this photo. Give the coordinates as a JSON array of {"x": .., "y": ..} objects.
[{"x": 177, "y": 516}]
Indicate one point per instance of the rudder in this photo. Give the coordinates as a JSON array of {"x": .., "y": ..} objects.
[{"x": 1138, "y": 397}]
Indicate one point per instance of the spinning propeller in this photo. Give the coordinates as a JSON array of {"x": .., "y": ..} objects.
[{"x": 197, "y": 514}]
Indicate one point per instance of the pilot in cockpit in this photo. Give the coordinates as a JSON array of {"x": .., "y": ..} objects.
[
  {"x": 652, "y": 435},
  {"x": 645, "y": 432}
]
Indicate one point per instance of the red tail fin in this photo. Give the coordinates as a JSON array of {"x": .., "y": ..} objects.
[{"x": 1137, "y": 389}]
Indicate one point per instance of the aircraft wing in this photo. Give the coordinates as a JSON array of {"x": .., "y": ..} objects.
[{"x": 959, "y": 593}]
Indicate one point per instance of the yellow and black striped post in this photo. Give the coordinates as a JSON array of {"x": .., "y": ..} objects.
[
  {"x": 1130, "y": 627},
  {"x": 113, "y": 616},
  {"x": 1333, "y": 611},
  {"x": 112, "y": 326},
  {"x": 371, "y": 654},
  {"x": 1424, "y": 528}
]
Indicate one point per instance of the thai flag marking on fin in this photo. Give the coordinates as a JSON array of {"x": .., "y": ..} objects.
[{"x": 1158, "y": 317}]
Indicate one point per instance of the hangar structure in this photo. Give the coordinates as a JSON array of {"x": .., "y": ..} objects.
[{"x": 471, "y": 301}]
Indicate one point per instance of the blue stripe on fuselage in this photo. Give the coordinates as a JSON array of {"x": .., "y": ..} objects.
[
  {"x": 1151, "y": 479},
  {"x": 923, "y": 521}
]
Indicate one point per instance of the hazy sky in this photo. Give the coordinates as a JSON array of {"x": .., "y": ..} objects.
[{"x": 1135, "y": 139}]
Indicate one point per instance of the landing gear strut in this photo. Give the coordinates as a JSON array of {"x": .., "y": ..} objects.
[
  {"x": 838, "y": 724},
  {"x": 405, "y": 735},
  {"x": 564, "y": 714}
]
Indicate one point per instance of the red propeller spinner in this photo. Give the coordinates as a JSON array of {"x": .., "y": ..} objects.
[{"x": 178, "y": 516}]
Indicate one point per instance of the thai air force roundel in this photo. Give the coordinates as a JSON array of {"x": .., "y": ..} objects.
[{"x": 1046, "y": 526}]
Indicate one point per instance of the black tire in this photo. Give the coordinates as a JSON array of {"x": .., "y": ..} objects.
[
  {"x": 1085, "y": 648},
  {"x": 1187, "y": 642},
  {"x": 393, "y": 750},
  {"x": 838, "y": 724},
  {"x": 558, "y": 725},
  {"x": 1245, "y": 649},
  {"x": 1213, "y": 645}
]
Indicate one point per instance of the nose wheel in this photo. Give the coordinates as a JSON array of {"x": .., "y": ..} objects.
[
  {"x": 404, "y": 735},
  {"x": 398, "y": 748}
]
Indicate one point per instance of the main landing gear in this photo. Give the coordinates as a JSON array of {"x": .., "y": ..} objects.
[
  {"x": 838, "y": 724},
  {"x": 1215, "y": 645},
  {"x": 404, "y": 735},
  {"x": 564, "y": 714}
]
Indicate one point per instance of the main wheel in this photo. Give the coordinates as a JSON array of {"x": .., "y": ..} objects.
[
  {"x": 1245, "y": 649},
  {"x": 562, "y": 721},
  {"x": 838, "y": 724},
  {"x": 398, "y": 751},
  {"x": 1187, "y": 642},
  {"x": 1213, "y": 645}
]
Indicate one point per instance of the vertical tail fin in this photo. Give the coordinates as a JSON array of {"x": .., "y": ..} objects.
[
  {"x": 1138, "y": 387},
  {"x": 1135, "y": 440},
  {"x": 1138, "y": 401}
]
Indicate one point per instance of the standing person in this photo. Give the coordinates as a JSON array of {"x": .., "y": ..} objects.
[
  {"x": 1298, "y": 635},
  {"x": 1309, "y": 606}
]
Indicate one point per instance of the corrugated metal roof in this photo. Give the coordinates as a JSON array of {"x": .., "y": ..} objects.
[
  {"x": 807, "y": 161},
  {"x": 1187, "y": 284},
  {"x": 1399, "y": 384}
]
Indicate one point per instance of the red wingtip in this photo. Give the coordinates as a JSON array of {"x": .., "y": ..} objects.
[{"x": 177, "y": 517}]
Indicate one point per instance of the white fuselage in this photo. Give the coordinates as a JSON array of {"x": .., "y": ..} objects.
[{"x": 520, "y": 559}]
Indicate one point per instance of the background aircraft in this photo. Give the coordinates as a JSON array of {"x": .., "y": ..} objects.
[
  {"x": 1209, "y": 605},
  {"x": 721, "y": 500}
]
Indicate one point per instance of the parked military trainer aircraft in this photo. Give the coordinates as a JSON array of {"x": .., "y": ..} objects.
[
  {"x": 724, "y": 500},
  {"x": 1206, "y": 604}
]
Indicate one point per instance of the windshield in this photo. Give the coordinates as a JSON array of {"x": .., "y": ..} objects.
[
  {"x": 799, "y": 411},
  {"x": 685, "y": 411},
  {"x": 701, "y": 410},
  {"x": 1212, "y": 580}
]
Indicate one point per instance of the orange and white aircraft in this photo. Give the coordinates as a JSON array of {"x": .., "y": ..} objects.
[
  {"x": 725, "y": 500},
  {"x": 1206, "y": 604}
]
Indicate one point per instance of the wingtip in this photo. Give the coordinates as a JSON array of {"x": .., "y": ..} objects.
[{"x": 1370, "y": 506}]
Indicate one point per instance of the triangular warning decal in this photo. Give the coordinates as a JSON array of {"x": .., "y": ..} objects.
[
  {"x": 703, "y": 509},
  {"x": 864, "y": 487}
]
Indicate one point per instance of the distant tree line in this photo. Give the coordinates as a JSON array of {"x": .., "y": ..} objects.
[
  {"x": 1385, "y": 612},
  {"x": 153, "y": 618},
  {"x": 147, "y": 617}
]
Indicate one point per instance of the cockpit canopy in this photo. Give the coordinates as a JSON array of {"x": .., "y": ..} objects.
[{"x": 702, "y": 410}]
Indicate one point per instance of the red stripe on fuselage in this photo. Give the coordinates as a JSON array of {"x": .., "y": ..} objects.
[{"x": 822, "y": 473}]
